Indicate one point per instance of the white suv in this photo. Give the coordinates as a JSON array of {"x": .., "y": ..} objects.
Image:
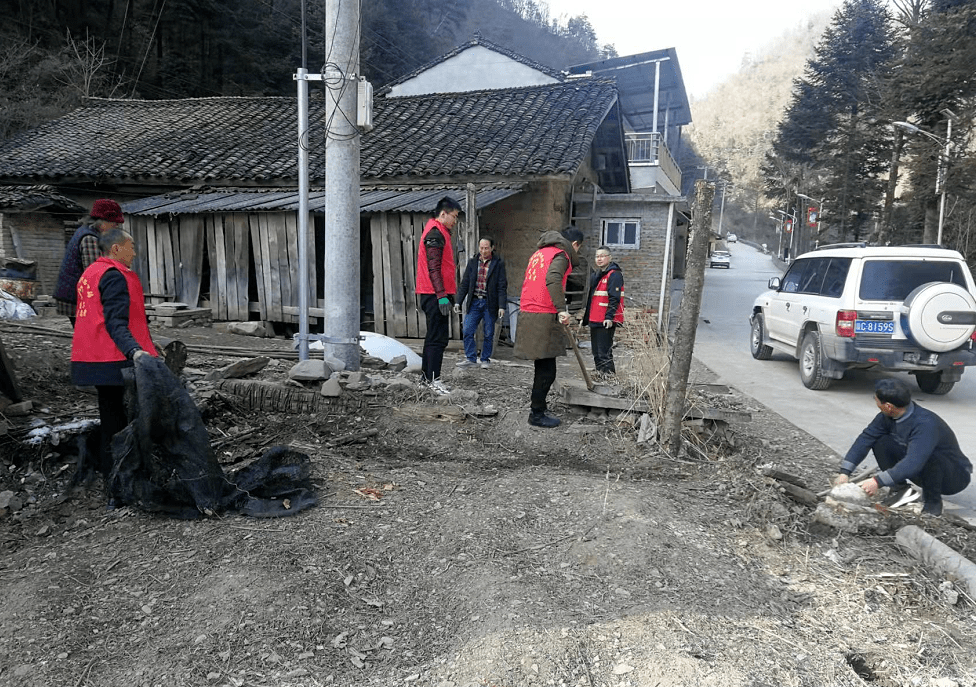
[{"x": 853, "y": 306}]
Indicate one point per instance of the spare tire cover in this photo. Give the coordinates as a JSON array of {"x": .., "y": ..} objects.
[{"x": 920, "y": 316}]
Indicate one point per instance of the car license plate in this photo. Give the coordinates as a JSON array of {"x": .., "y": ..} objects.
[{"x": 874, "y": 327}]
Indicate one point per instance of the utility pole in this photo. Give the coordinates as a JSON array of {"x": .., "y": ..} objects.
[{"x": 341, "y": 265}]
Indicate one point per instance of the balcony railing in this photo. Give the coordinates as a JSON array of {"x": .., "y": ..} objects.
[{"x": 650, "y": 150}]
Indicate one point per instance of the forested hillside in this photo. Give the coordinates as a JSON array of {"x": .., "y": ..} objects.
[
  {"x": 873, "y": 133},
  {"x": 58, "y": 51}
]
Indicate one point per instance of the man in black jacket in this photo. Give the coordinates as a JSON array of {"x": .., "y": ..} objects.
[
  {"x": 485, "y": 288},
  {"x": 605, "y": 309},
  {"x": 909, "y": 442}
]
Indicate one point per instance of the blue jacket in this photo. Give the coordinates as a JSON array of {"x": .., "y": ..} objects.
[{"x": 922, "y": 432}]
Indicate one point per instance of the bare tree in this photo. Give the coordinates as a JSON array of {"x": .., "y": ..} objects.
[
  {"x": 684, "y": 337},
  {"x": 87, "y": 69}
]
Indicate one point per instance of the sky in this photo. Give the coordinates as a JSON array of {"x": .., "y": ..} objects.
[{"x": 709, "y": 36}]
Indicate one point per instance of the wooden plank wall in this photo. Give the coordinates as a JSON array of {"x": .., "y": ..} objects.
[{"x": 396, "y": 306}]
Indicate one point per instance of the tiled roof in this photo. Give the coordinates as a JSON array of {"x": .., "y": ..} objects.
[
  {"x": 31, "y": 198},
  {"x": 509, "y": 133},
  {"x": 371, "y": 199},
  {"x": 478, "y": 40}
]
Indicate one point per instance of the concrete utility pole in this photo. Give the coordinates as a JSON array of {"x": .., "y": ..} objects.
[
  {"x": 684, "y": 338},
  {"x": 341, "y": 265}
]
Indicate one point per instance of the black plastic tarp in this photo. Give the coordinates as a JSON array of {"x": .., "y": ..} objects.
[{"x": 162, "y": 461}]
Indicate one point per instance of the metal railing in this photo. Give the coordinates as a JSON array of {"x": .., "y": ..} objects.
[{"x": 650, "y": 150}]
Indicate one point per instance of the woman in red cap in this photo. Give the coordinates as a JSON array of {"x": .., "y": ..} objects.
[{"x": 82, "y": 251}]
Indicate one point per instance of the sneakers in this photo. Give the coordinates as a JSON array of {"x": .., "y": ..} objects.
[
  {"x": 436, "y": 386},
  {"x": 485, "y": 364},
  {"x": 543, "y": 420},
  {"x": 466, "y": 363},
  {"x": 901, "y": 496}
]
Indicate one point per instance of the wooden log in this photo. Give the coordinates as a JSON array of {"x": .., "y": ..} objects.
[
  {"x": 781, "y": 476},
  {"x": 269, "y": 396},
  {"x": 804, "y": 496},
  {"x": 408, "y": 233}
]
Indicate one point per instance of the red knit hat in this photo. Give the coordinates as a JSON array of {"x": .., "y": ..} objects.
[{"x": 108, "y": 210}]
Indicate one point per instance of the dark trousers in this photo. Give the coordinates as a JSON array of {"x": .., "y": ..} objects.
[
  {"x": 436, "y": 339},
  {"x": 601, "y": 340},
  {"x": 545, "y": 375},
  {"x": 111, "y": 413},
  {"x": 939, "y": 477}
]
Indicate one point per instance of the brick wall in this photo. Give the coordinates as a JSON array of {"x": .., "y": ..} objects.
[
  {"x": 517, "y": 222},
  {"x": 642, "y": 268},
  {"x": 42, "y": 239}
]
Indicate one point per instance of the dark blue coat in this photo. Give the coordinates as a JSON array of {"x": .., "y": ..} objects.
[{"x": 496, "y": 285}]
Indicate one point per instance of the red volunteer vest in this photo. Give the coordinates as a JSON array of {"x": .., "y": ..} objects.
[
  {"x": 91, "y": 342},
  {"x": 600, "y": 302},
  {"x": 447, "y": 261},
  {"x": 535, "y": 295}
]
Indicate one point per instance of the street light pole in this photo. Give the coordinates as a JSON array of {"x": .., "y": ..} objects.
[{"x": 940, "y": 178}]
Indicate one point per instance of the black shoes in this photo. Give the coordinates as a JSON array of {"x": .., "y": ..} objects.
[
  {"x": 932, "y": 507},
  {"x": 540, "y": 419}
]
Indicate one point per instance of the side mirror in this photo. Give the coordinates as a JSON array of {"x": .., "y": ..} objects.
[{"x": 774, "y": 284}]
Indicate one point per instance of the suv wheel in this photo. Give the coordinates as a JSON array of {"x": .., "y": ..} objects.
[
  {"x": 931, "y": 383},
  {"x": 760, "y": 351},
  {"x": 811, "y": 363}
]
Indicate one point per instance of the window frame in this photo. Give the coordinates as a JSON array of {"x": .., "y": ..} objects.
[{"x": 622, "y": 221}]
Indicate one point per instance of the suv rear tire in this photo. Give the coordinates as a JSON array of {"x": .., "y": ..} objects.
[
  {"x": 760, "y": 351},
  {"x": 931, "y": 383},
  {"x": 811, "y": 363}
]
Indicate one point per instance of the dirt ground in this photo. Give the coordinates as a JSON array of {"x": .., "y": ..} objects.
[{"x": 466, "y": 551}]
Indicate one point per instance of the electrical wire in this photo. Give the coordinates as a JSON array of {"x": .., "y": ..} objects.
[{"x": 152, "y": 37}]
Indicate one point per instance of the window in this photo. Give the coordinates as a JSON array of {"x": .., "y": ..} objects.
[
  {"x": 893, "y": 280},
  {"x": 796, "y": 276},
  {"x": 621, "y": 233}
]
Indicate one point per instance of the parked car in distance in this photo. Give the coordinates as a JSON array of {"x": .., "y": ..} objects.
[
  {"x": 731, "y": 238},
  {"x": 853, "y": 306},
  {"x": 720, "y": 258}
]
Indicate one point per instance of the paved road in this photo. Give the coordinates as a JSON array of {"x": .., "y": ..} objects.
[{"x": 834, "y": 416}]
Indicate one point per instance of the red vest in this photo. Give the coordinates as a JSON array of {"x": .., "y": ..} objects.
[
  {"x": 424, "y": 284},
  {"x": 600, "y": 301},
  {"x": 535, "y": 295},
  {"x": 91, "y": 342}
]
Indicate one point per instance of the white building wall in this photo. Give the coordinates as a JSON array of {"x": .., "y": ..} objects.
[{"x": 475, "y": 69}]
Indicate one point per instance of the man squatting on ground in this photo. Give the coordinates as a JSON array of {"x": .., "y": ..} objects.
[
  {"x": 910, "y": 443},
  {"x": 436, "y": 286},
  {"x": 543, "y": 314},
  {"x": 82, "y": 251},
  {"x": 604, "y": 309},
  {"x": 485, "y": 288},
  {"x": 111, "y": 331}
]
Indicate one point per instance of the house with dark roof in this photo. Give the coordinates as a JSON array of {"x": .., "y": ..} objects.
[
  {"x": 33, "y": 225},
  {"x": 209, "y": 186},
  {"x": 513, "y": 154}
]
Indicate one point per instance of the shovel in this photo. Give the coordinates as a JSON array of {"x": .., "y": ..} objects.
[{"x": 579, "y": 358}]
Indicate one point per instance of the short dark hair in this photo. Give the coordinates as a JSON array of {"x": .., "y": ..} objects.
[
  {"x": 893, "y": 391},
  {"x": 446, "y": 204},
  {"x": 112, "y": 237},
  {"x": 490, "y": 240},
  {"x": 604, "y": 247},
  {"x": 572, "y": 234}
]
